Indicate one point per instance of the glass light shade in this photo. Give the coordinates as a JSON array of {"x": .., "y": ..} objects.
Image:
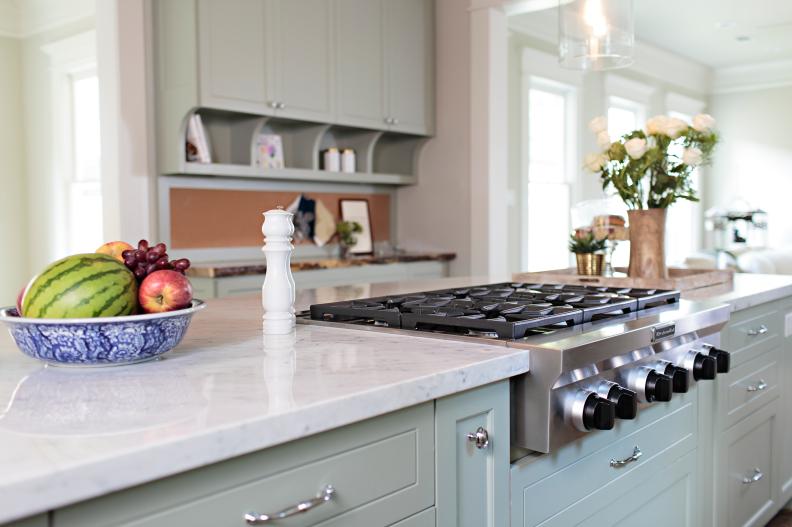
[{"x": 596, "y": 34}]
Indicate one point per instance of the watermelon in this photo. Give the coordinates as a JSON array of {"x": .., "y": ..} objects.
[{"x": 82, "y": 286}]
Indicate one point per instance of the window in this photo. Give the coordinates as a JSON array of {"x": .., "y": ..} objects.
[
  {"x": 683, "y": 214},
  {"x": 624, "y": 116},
  {"x": 551, "y": 162},
  {"x": 85, "y": 197}
]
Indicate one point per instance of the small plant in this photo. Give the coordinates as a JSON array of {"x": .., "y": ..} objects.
[
  {"x": 585, "y": 243},
  {"x": 346, "y": 232}
]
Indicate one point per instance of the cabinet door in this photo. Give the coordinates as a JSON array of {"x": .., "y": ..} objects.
[
  {"x": 472, "y": 481},
  {"x": 409, "y": 51},
  {"x": 785, "y": 419},
  {"x": 360, "y": 75},
  {"x": 745, "y": 473},
  {"x": 300, "y": 33},
  {"x": 231, "y": 54}
]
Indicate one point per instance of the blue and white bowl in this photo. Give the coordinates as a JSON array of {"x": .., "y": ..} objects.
[{"x": 104, "y": 341}]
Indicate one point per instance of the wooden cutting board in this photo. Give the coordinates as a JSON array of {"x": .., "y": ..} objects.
[{"x": 678, "y": 278}]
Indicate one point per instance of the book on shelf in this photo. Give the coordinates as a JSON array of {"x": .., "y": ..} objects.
[{"x": 197, "y": 147}]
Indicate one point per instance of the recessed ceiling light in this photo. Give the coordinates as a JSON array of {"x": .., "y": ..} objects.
[
  {"x": 742, "y": 38},
  {"x": 726, "y": 24}
]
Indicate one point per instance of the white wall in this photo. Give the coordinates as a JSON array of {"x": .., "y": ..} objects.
[
  {"x": 435, "y": 213},
  {"x": 44, "y": 203},
  {"x": 13, "y": 222},
  {"x": 754, "y": 160}
]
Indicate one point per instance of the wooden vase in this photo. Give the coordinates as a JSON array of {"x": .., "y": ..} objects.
[{"x": 647, "y": 243}]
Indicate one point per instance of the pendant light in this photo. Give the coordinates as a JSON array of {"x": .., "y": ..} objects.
[{"x": 596, "y": 34}]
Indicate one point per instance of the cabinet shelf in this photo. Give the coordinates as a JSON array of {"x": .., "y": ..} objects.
[{"x": 293, "y": 174}]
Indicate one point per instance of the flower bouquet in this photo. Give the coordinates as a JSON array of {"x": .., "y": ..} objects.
[{"x": 650, "y": 170}]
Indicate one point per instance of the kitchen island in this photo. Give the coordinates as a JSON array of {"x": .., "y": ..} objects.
[{"x": 71, "y": 435}]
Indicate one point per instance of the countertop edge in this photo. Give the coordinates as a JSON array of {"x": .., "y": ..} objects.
[{"x": 253, "y": 435}]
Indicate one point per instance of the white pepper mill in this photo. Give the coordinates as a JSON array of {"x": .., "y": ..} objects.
[{"x": 277, "y": 294}]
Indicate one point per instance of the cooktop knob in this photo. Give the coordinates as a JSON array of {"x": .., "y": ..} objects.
[
  {"x": 704, "y": 367},
  {"x": 680, "y": 377},
  {"x": 649, "y": 384},
  {"x": 598, "y": 413},
  {"x": 626, "y": 401},
  {"x": 723, "y": 358},
  {"x": 658, "y": 387}
]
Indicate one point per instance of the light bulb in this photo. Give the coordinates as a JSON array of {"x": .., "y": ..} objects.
[{"x": 594, "y": 17}]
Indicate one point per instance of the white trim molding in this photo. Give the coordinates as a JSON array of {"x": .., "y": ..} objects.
[
  {"x": 618, "y": 86},
  {"x": 676, "y": 102},
  {"x": 25, "y": 18},
  {"x": 749, "y": 77}
]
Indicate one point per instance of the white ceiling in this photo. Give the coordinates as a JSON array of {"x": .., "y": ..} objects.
[
  {"x": 22, "y": 18},
  {"x": 707, "y": 31}
]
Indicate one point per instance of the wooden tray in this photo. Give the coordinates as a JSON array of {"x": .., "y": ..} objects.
[{"x": 679, "y": 279}]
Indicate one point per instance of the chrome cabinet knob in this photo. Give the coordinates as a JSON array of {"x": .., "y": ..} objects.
[
  {"x": 480, "y": 438},
  {"x": 755, "y": 332},
  {"x": 273, "y": 104},
  {"x": 758, "y": 387},
  {"x": 756, "y": 476},
  {"x": 325, "y": 495},
  {"x": 281, "y": 105},
  {"x": 394, "y": 120}
]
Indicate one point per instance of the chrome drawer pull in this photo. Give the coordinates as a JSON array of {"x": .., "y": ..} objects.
[
  {"x": 758, "y": 387},
  {"x": 480, "y": 438},
  {"x": 761, "y": 330},
  {"x": 636, "y": 455},
  {"x": 254, "y": 518},
  {"x": 757, "y": 475}
]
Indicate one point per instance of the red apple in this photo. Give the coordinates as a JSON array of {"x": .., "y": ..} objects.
[
  {"x": 20, "y": 297},
  {"x": 164, "y": 290},
  {"x": 115, "y": 249}
]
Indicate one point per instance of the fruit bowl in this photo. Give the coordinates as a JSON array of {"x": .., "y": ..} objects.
[{"x": 102, "y": 341}]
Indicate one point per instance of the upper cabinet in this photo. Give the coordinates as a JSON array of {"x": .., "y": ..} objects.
[
  {"x": 300, "y": 62},
  {"x": 231, "y": 48},
  {"x": 384, "y": 64},
  {"x": 409, "y": 53}
]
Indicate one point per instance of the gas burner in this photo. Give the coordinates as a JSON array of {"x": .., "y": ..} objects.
[{"x": 507, "y": 310}]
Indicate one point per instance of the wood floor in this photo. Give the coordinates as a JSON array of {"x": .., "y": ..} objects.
[{"x": 782, "y": 519}]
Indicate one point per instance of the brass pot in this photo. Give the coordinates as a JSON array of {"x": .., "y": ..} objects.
[
  {"x": 647, "y": 243},
  {"x": 590, "y": 264}
]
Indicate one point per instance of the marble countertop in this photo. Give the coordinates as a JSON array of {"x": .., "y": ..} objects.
[
  {"x": 67, "y": 435},
  {"x": 221, "y": 269},
  {"x": 746, "y": 291}
]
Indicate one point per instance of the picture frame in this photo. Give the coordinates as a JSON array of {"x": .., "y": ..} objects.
[
  {"x": 358, "y": 210},
  {"x": 269, "y": 151}
]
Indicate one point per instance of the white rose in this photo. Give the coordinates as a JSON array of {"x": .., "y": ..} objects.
[
  {"x": 692, "y": 156},
  {"x": 603, "y": 140},
  {"x": 675, "y": 127},
  {"x": 703, "y": 122},
  {"x": 598, "y": 124},
  {"x": 595, "y": 162},
  {"x": 656, "y": 125},
  {"x": 635, "y": 147}
]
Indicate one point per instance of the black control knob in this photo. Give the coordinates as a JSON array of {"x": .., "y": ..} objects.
[
  {"x": 658, "y": 387},
  {"x": 704, "y": 367},
  {"x": 722, "y": 358},
  {"x": 680, "y": 380},
  {"x": 626, "y": 402},
  {"x": 598, "y": 413}
]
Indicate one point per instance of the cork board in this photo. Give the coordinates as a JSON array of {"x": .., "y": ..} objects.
[{"x": 209, "y": 218}]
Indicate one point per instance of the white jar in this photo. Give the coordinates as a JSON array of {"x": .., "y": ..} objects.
[
  {"x": 348, "y": 160},
  {"x": 332, "y": 160}
]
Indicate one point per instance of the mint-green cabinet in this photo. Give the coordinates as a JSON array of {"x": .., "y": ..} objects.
[
  {"x": 232, "y": 52},
  {"x": 300, "y": 64},
  {"x": 472, "y": 436},
  {"x": 408, "y": 58}
]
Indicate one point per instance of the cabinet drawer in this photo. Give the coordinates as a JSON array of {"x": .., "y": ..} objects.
[
  {"x": 382, "y": 471},
  {"x": 668, "y": 498},
  {"x": 751, "y": 333},
  {"x": 745, "y": 473},
  {"x": 661, "y": 442},
  {"x": 749, "y": 386}
]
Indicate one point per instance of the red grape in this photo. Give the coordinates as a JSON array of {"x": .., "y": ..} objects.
[
  {"x": 182, "y": 264},
  {"x": 140, "y": 273},
  {"x": 140, "y": 255},
  {"x": 143, "y": 245},
  {"x": 161, "y": 247}
]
